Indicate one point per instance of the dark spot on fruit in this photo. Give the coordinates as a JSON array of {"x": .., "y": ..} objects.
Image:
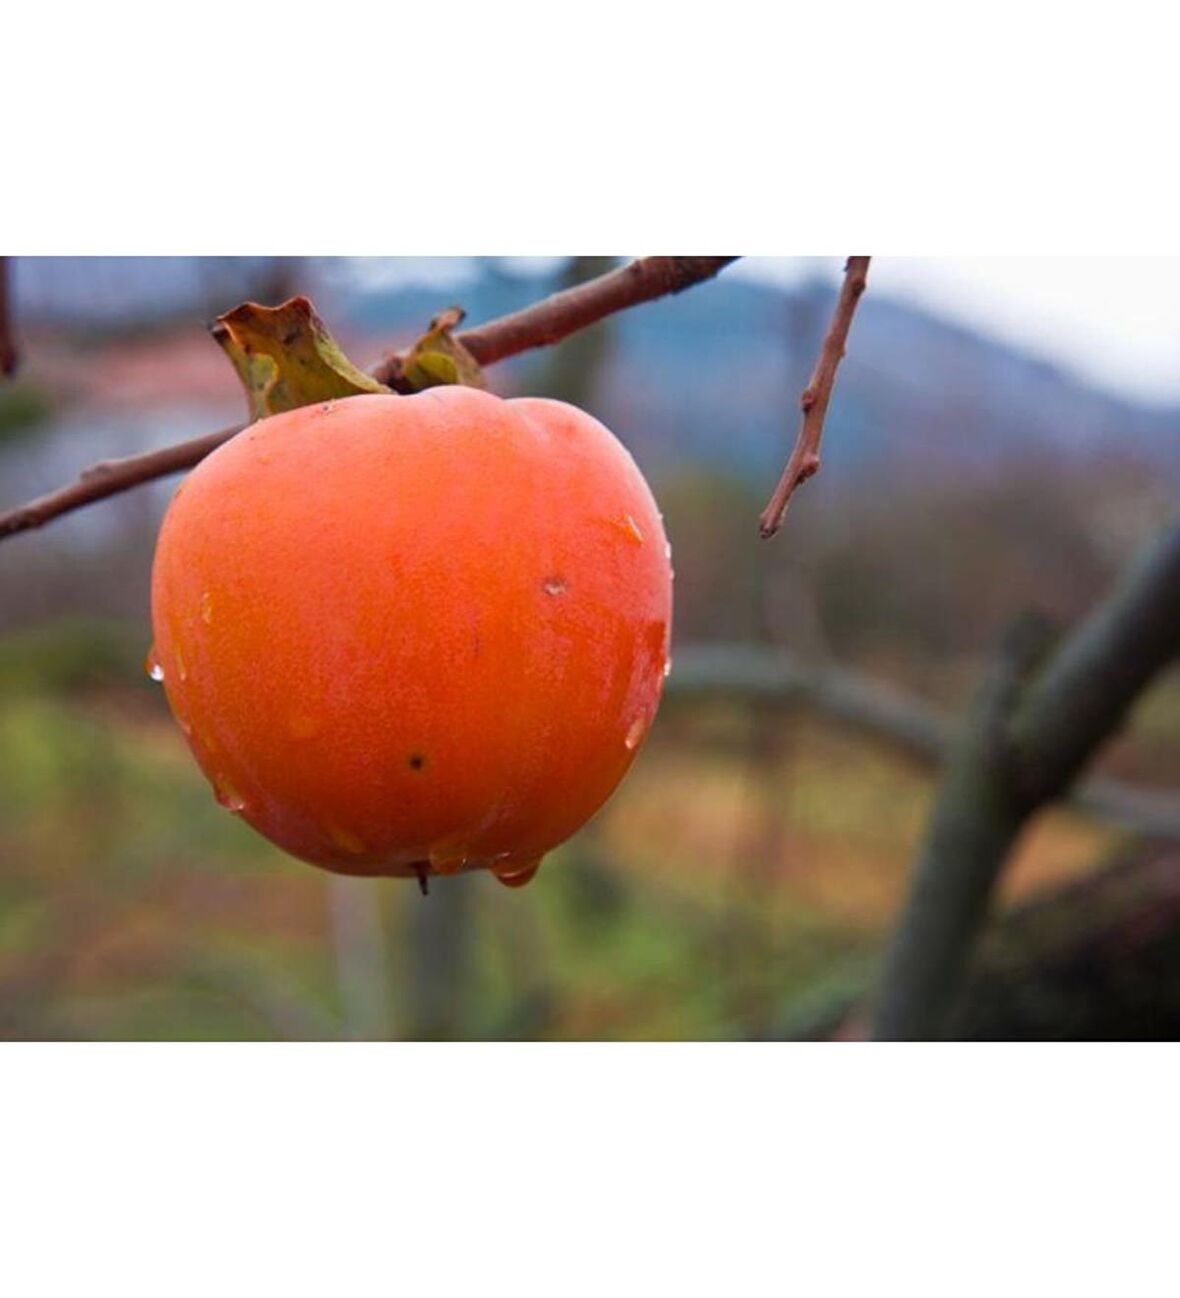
[{"x": 417, "y": 761}]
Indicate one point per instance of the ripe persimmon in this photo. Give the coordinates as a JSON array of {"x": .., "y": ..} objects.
[{"x": 414, "y": 634}]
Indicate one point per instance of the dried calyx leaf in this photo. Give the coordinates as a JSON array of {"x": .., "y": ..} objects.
[
  {"x": 439, "y": 358},
  {"x": 286, "y": 358}
]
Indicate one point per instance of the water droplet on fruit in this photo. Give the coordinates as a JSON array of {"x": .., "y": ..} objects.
[
  {"x": 516, "y": 874},
  {"x": 152, "y": 665},
  {"x": 667, "y": 668},
  {"x": 227, "y": 795},
  {"x": 554, "y": 586},
  {"x": 667, "y": 549},
  {"x": 182, "y": 670},
  {"x": 636, "y": 731},
  {"x": 447, "y": 860},
  {"x": 206, "y": 608}
]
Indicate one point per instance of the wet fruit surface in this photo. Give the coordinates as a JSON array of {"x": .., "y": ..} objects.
[{"x": 408, "y": 633}]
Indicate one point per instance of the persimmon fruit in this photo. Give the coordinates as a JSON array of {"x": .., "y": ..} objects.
[{"x": 417, "y": 634}]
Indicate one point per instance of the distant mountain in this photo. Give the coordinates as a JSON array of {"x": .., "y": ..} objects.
[{"x": 714, "y": 374}]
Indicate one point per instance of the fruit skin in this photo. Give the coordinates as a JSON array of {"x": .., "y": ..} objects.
[{"x": 409, "y": 634}]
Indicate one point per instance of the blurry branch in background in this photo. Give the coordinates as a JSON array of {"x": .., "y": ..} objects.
[
  {"x": 533, "y": 996},
  {"x": 8, "y": 353},
  {"x": 539, "y": 325},
  {"x": 803, "y": 462},
  {"x": 1036, "y": 722},
  {"x": 439, "y": 955},
  {"x": 572, "y": 373},
  {"x": 975, "y": 821},
  {"x": 907, "y": 724},
  {"x": 775, "y": 676},
  {"x": 1094, "y": 959},
  {"x": 358, "y": 940}
]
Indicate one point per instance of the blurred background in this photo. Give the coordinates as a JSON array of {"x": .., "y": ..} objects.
[{"x": 1002, "y": 437}]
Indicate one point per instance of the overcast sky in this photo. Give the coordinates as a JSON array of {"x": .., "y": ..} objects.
[{"x": 1113, "y": 320}]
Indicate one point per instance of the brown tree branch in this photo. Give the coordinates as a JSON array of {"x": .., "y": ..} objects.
[
  {"x": 558, "y": 316},
  {"x": 909, "y": 725},
  {"x": 109, "y": 477},
  {"x": 545, "y": 322},
  {"x": 804, "y": 458},
  {"x": 1027, "y": 742},
  {"x": 8, "y": 353},
  {"x": 1118, "y": 924}
]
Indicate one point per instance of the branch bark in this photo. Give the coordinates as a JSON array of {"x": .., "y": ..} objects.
[
  {"x": 804, "y": 458},
  {"x": 438, "y": 951},
  {"x": 564, "y": 313},
  {"x": 539, "y": 325},
  {"x": 8, "y": 353},
  {"x": 977, "y": 818},
  {"x": 362, "y": 975},
  {"x": 1024, "y": 746},
  {"x": 1094, "y": 959},
  {"x": 109, "y": 477}
]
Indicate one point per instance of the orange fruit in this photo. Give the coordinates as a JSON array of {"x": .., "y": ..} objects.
[{"x": 417, "y": 634}]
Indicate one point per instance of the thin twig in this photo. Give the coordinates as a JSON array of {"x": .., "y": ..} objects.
[
  {"x": 545, "y": 322},
  {"x": 109, "y": 477},
  {"x": 804, "y": 459},
  {"x": 8, "y": 352}
]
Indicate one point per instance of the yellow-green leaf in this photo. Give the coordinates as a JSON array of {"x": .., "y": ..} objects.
[{"x": 286, "y": 358}]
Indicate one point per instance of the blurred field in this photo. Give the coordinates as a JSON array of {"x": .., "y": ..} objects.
[{"x": 746, "y": 865}]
